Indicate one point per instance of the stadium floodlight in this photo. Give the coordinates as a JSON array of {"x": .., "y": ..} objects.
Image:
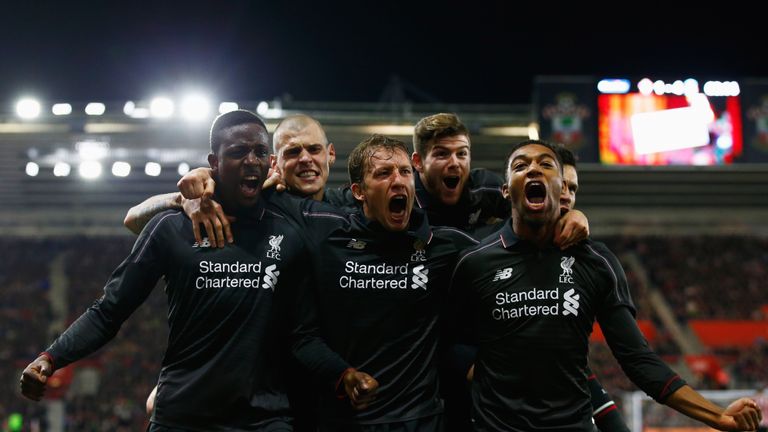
[
  {"x": 61, "y": 169},
  {"x": 195, "y": 107},
  {"x": 121, "y": 169},
  {"x": 226, "y": 107},
  {"x": 152, "y": 169},
  {"x": 90, "y": 169},
  {"x": 129, "y": 107},
  {"x": 95, "y": 108},
  {"x": 91, "y": 149},
  {"x": 28, "y": 108},
  {"x": 161, "y": 107},
  {"x": 32, "y": 169},
  {"x": 60, "y": 109},
  {"x": 183, "y": 168},
  {"x": 262, "y": 108}
]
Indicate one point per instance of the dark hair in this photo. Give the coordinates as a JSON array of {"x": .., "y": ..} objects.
[
  {"x": 533, "y": 142},
  {"x": 566, "y": 155},
  {"x": 436, "y": 126},
  {"x": 229, "y": 119},
  {"x": 362, "y": 153}
]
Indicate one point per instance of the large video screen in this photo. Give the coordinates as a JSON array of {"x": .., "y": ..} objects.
[{"x": 668, "y": 129}]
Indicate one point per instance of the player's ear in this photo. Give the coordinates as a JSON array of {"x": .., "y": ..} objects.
[
  {"x": 417, "y": 162},
  {"x": 213, "y": 161},
  {"x": 331, "y": 154},
  {"x": 505, "y": 191},
  {"x": 357, "y": 192}
]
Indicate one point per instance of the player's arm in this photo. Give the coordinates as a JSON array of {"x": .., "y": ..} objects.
[
  {"x": 127, "y": 288},
  {"x": 298, "y": 305},
  {"x": 652, "y": 375},
  {"x": 604, "y": 410},
  {"x": 139, "y": 215}
]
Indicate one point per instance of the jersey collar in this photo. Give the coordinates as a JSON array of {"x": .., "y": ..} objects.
[
  {"x": 418, "y": 225},
  {"x": 507, "y": 235}
]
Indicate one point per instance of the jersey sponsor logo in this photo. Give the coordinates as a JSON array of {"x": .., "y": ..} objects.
[
  {"x": 204, "y": 244},
  {"x": 570, "y": 303},
  {"x": 356, "y": 244},
  {"x": 502, "y": 274},
  {"x": 566, "y": 263},
  {"x": 231, "y": 274},
  {"x": 274, "y": 245},
  {"x": 384, "y": 276},
  {"x": 270, "y": 276},
  {"x": 420, "y": 277}
]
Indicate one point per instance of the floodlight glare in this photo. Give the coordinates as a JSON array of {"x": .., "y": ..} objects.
[
  {"x": 226, "y": 107},
  {"x": 262, "y": 108},
  {"x": 129, "y": 107},
  {"x": 61, "y": 109},
  {"x": 121, "y": 169},
  {"x": 28, "y": 108},
  {"x": 32, "y": 169},
  {"x": 95, "y": 108},
  {"x": 195, "y": 107},
  {"x": 90, "y": 169},
  {"x": 61, "y": 169},
  {"x": 183, "y": 168},
  {"x": 152, "y": 169},
  {"x": 161, "y": 107}
]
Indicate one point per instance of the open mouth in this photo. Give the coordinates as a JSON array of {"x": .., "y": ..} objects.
[
  {"x": 535, "y": 192},
  {"x": 250, "y": 185},
  {"x": 309, "y": 174},
  {"x": 451, "y": 182},
  {"x": 397, "y": 205}
]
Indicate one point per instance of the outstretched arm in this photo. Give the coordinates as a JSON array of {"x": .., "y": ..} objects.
[
  {"x": 139, "y": 215},
  {"x": 741, "y": 415}
]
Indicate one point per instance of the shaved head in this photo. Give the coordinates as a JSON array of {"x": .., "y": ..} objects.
[{"x": 293, "y": 125}]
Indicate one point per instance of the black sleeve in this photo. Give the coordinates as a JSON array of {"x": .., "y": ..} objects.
[
  {"x": 299, "y": 304},
  {"x": 604, "y": 410},
  {"x": 127, "y": 288},
  {"x": 639, "y": 362}
]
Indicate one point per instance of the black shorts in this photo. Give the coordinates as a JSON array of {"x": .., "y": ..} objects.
[{"x": 425, "y": 424}]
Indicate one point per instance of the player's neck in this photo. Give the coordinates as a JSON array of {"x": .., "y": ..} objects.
[{"x": 540, "y": 234}]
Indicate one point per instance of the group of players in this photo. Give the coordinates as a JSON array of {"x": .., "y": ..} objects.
[{"x": 425, "y": 296}]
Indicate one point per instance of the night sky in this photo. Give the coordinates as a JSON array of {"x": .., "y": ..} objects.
[{"x": 456, "y": 52}]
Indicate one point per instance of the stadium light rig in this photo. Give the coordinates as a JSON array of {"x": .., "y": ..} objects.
[
  {"x": 61, "y": 109},
  {"x": 28, "y": 108}
]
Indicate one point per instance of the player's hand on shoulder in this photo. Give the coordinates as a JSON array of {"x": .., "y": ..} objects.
[
  {"x": 208, "y": 213},
  {"x": 571, "y": 228}
]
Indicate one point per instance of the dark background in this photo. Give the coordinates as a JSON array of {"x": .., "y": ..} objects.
[{"x": 467, "y": 52}]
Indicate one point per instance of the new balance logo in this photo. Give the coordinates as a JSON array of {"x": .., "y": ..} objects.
[
  {"x": 420, "y": 277},
  {"x": 502, "y": 274},
  {"x": 356, "y": 244},
  {"x": 270, "y": 277},
  {"x": 206, "y": 243},
  {"x": 274, "y": 244},
  {"x": 571, "y": 303}
]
